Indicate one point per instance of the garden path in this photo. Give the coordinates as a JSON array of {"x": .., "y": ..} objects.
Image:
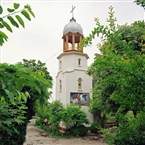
[{"x": 37, "y": 136}]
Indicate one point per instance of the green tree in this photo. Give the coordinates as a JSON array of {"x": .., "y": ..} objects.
[
  {"x": 13, "y": 101},
  {"x": 120, "y": 54},
  {"x": 119, "y": 77},
  {"x": 39, "y": 68},
  {"x": 133, "y": 35}
]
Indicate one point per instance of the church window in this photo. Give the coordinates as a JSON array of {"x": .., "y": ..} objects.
[
  {"x": 79, "y": 62},
  {"x": 80, "y": 83},
  {"x": 60, "y": 85},
  {"x": 60, "y": 64}
]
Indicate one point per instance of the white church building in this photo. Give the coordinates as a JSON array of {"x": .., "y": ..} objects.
[{"x": 73, "y": 85}]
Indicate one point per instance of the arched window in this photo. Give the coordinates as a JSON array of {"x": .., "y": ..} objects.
[
  {"x": 79, "y": 62},
  {"x": 60, "y": 85},
  {"x": 60, "y": 64},
  {"x": 80, "y": 83}
]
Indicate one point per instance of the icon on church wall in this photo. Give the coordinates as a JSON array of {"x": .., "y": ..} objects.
[{"x": 79, "y": 98}]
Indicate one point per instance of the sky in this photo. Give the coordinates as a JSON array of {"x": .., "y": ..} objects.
[{"x": 42, "y": 37}]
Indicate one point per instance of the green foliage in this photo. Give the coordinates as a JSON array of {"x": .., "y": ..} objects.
[
  {"x": 105, "y": 31},
  {"x": 54, "y": 113},
  {"x": 1, "y": 10},
  {"x": 117, "y": 77},
  {"x": 132, "y": 35},
  {"x": 74, "y": 115},
  {"x": 20, "y": 20},
  {"x": 94, "y": 128},
  {"x": 17, "y": 87},
  {"x": 13, "y": 109},
  {"x": 140, "y": 2},
  {"x": 13, "y": 79},
  {"x": 43, "y": 117},
  {"x": 130, "y": 131},
  {"x": 16, "y": 6},
  {"x": 14, "y": 19},
  {"x": 50, "y": 113},
  {"x": 79, "y": 130},
  {"x": 116, "y": 70},
  {"x": 7, "y": 26},
  {"x": 118, "y": 74},
  {"x": 139, "y": 23},
  {"x": 53, "y": 132},
  {"x": 39, "y": 68}
]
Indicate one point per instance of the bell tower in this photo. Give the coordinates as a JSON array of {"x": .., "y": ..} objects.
[
  {"x": 72, "y": 39},
  {"x": 73, "y": 85}
]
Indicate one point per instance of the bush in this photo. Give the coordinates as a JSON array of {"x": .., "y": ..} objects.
[
  {"x": 79, "y": 130},
  {"x": 12, "y": 123},
  {"x": 15, "y": 103},
  {"x": 55, "y": 113},
  {"x": 9, "y": 136},
  {"x": 42, "y": 118},
  {"x": 74, "y": 115},
  {"x": 94, "y": 127},
  {"x": 130, "y": 131},
  {"x": 13, "y": 109}
]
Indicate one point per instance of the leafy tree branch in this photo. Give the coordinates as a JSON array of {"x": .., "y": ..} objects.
[{"x": 14, "y": 19}]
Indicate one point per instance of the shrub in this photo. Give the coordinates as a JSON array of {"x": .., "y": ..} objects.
[
  {"x": 94, "y": 127},
  {"x": 42, "y": 113},
  {"x": 74, "y": 115},
  {"x": 12, "y": 123},
  {"x": 14, "y": 102},
  {"x": 13, "y": 109},
  {"x": 130, "y": 131},
  {"x": 79, "y": 130},
  {"x": 55, "y": 112},
  {"x": 49, "y": 113}
]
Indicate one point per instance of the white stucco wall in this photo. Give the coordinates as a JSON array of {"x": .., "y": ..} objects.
[
  {"x": 69, "y": 74},
  {"x": 89, "y": 115},
  {"x": 69, "y": 61},
  {"x": 72, "y": 82}
]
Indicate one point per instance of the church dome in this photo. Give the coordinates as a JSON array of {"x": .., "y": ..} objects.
[{"x": 72, "y": 26}]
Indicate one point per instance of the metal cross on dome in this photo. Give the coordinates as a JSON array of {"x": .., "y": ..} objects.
[{"x": 73, "y": 7}]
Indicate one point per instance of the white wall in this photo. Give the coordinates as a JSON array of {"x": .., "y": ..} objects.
[
  {"x": 69, "y": 74},
  {"x": 70, "y": 60}
]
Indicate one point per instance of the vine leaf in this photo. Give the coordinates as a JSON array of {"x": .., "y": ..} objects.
[
  {"x": 26, "y": 14},
  {"x": 7, "y": 26},
  {"x": 10, "y": 96},
  {"x": 10, "y": 10},
  {"x": 16, "y": 6},
  {"x": 29, "y": 10},
  {"x": 31, "y": 13},
  {"x": 13, "y": 22},
  {"x": 1, "y": 26},
  {"x": 1, "y": 10},
  {"x": 20, "y": 20},
  {"x": 3, "y": 35}
]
